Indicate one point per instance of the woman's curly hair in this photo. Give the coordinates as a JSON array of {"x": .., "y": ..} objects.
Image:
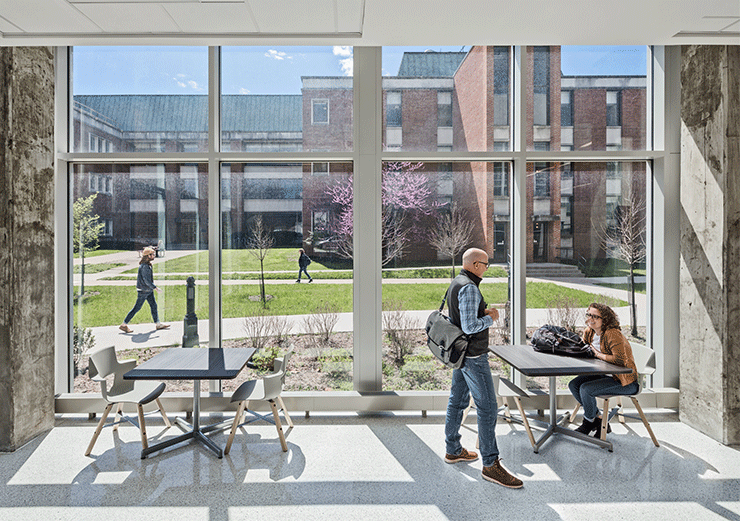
[{"x": 609, "y": 319}]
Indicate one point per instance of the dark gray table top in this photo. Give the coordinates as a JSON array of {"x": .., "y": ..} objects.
[
  {"x": 533, "y": 363},
  {"x": 186, "y": 363}
]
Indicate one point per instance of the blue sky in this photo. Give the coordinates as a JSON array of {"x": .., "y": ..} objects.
[{"x": 278, "y": 70}]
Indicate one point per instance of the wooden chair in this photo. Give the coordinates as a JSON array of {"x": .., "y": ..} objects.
[
  {"x": 522, "y": 399},
  {"x": 103, "y": 363},
  {"x": 266, "y": 389},
  {"x": 645, "y": 363}
]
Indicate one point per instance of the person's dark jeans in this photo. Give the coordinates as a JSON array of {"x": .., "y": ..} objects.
[
  {"x": 586, "y": 388},
  {"x": 143, "y": 296},
  {"x": 474, "y": 377},
  {"x": 304, "y": 270}
]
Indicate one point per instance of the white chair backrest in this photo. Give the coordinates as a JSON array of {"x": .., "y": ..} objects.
[
  {"x": 102, "y": 363},
  {"x": 644, "y": 358}
]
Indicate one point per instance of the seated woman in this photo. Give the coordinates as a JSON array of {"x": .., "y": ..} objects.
[{"x": 608, "y": 343}]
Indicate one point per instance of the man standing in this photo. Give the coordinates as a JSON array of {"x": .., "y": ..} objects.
[
  {"x": 303, "y": 262},
  {"x": 468, "y": 311}
]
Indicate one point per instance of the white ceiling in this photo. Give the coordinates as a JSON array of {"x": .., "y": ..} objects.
[{"x": 369, "y": 22}]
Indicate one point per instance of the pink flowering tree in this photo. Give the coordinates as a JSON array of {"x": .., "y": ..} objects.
[{"x": 407, "y": 195}]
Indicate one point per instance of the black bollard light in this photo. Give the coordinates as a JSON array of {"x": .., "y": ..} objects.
[{"x": 190, "y": 329}]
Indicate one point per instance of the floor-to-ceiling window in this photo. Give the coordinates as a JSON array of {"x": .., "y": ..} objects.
[{"x": 229, "y": 161}]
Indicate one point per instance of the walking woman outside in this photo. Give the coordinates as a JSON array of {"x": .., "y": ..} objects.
[{"x": 145, "y": 288}]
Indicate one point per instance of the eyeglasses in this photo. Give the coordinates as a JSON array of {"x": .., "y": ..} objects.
[
  {"x": 480, "y": 262},
  {"x": 595, "y": 317}
]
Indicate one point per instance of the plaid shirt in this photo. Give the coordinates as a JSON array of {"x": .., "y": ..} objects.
[{"x": 469, "y": 299}]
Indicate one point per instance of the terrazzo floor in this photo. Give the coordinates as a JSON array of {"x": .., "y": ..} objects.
[{"x": 368, "y": 466}]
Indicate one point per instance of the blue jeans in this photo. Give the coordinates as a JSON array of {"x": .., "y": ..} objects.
[
  {"x": 304, "y": 270},
  {"x": 474, "y": 377},
  {"x": 141, "y": 297},
  {"x": 586, "y": 388}
]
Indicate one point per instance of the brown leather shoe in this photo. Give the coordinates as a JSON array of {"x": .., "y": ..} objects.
[
  {"x": 463, "y": 456},
  {"x": 498, "y": 474},
  {"x": 163, "y": 326},
  {"x": 125, "y": 328}
]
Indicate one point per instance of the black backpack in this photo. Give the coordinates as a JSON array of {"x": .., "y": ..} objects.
[{"x": 558, "y": 340}]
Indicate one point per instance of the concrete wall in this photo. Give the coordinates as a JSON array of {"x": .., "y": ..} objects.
[
  {"x": 26, "y": 244},
  {"x": 710, "y": 241}
]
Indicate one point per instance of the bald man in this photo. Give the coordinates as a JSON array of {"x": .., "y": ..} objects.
[{"x": 468, "y": 311}]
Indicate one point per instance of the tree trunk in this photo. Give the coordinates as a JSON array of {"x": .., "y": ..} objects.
[
  {"x": 633, "y": 305},
  {"x": 453, "y": 266},
  {"x": 263, "y": 298},
  {"x": 82, "y": 273}
]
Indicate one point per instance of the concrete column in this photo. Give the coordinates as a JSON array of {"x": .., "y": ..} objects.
[
  {"x": 710, "y": 241},
  {"x": 26, "y": 244}
]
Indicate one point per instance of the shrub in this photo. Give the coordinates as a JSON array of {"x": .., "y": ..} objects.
[
  {"x": 263, "y": 359},
  {"x": 82, "y": 341},
  {"x": 399, "y": 327},
  {"x": 322, "y": 321},
  {"x": 563, "y": 311}
]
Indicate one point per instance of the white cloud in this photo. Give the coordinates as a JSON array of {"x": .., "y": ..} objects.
[
  {"x": 347, "y": 65},
  {"x": 277, "y": 55},
  {"x": 184, "y": 83},
  {"x": 242, "y": 90}
]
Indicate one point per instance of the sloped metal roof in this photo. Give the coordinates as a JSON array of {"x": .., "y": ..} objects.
[
  {"x": 430, "y": 64},
  {"x": 189, "y": 113}
]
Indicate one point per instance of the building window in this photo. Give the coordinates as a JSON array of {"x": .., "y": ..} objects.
[
  {"x": 541, "y": 82},
  {"x": 320, "y": 168},
  {"x": 566, "y": 108},
  {"x": 613, "y": 108},
  {"x": 500, "y": 86},
  {"x": 500, "y": 180},
  {"x": 320, "y": 111},
  {"x": 393, "y": 109},
  {"x": 444, "y": 109}
]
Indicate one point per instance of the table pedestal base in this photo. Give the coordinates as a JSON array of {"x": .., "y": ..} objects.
[
  {"x": 193, "y": 432},
  {"x": 554, "y": 426}
]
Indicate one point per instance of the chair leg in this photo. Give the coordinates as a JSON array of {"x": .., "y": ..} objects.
[
  {"x": 163, "y": 413},
  {"x": 604, "y": 419},
  {"x": 279, "y": 426},
  {"x": 235, "y": 425},
  {"x": 644, "y": 420},
  {"x": 101, "y": 424},
  {"x": 573, "y": 414},
  {"x": 507, "y": 410},
  {"x": 142, "y": 426},
  {"x": 285, "y": 411},
  {"x": 525, "y": 421},
  {"x": 620, "y": 413},
  {"x": 118, "y": 417}
]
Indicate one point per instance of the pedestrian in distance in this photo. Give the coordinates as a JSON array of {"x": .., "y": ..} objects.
[
  {"x": 145, "y": 289},
  {"x": 469, "y": 312},
  {"x": 303, "y": 262}
]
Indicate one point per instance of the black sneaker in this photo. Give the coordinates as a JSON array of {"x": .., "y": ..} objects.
[
  {"x": 463, "y": 456},
  {"x": 498, "y": 474}
]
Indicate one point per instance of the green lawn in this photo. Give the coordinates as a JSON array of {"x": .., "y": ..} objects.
[
  {"x": 107, "y": 305},
  {"x": 97, "y": 268},
  {"x": 640, "y": 287},
  {"x": 97, "y": 253},
  {"x": 277, "y": 259}
]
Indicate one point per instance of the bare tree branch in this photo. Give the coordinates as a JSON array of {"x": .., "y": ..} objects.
[
  {"x": 454, "y": 231},
  {"x": 259, "y": 244},
  {"x": 626, "y": 240}
]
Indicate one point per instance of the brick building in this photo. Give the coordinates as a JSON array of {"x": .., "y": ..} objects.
[{"x": 456, "y": 101}]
